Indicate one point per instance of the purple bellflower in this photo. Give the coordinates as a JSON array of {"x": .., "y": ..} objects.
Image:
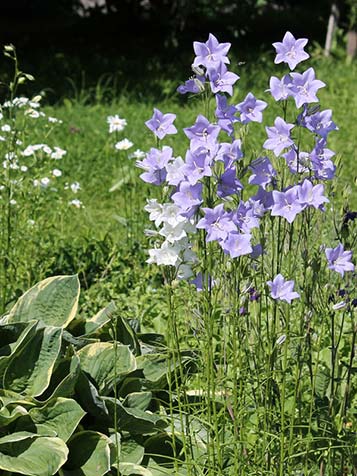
[
  {"x": 263, "y": 172},
  {"x": 155, "y": 164},
  {"x": 188, "y": 198},
  {"x": 202, "y": 133},
  {"x": 339, "y": 260},
  {"x": 228, "y": 183},
  {"x": 198, "y": 165},
  {"x": 290, "y": 50},
  {"x": 237, "y": 244},
  {"x": 193, "y": 85},
  {"x": 282, "y": 290},
  {"x": 211, "y": 53},
  {"x": 225, "y": 114},
  {"x": 161, "y": 124},
  {"x": 251, "y": 109},
  {"x": 297, "y": 165},
  {"x": 278, "y": 136},
  {"x": 245, "y": 218},
  {"x": 305, "y": 86},
  {"x": 320, "y": 123},
  {"x": 217, "y": 223},
  {"x": 286, "y": 204},
  {"x": 280, "y": 89},
  {"x": 222, "y": 80},
  {"x": 321, "y": 163},
  {"x": 229, "y": 153},
  {"x": 311, "y": 196}
]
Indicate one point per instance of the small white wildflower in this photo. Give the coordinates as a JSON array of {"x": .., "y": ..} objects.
[
  {"x": 47, "y": 150},
  {"x": 2, "y": 139},
  {"x": 75, "y": 187},
  {"x": 53, "y": 120},
  {"x": 56, "y": 172},
  {"x": 20, "y": 102},
  {"x": 58, "y": 153},
  {"x": 32, "y": 113},
  {"x": 44, "y": 182},
  {"x": 116, "y": 123},
  {"x": 13, "y": 201},
  {"x": 124, "y": 144},
  {"x": 6, "y": 128},
  {"x": 24, "y": 168},
  {"x": 137, "y": 154},
  {"x": 18, "y": 142},
  {"x": 76, "y": 203},
  {"x": 36, "y": 183},
  {"x": 2, "y": 187},
  {"x": 31, "y": 222},
  {"x": 14, "y": 165}
]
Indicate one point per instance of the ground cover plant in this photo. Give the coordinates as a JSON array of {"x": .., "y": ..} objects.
[{"x": 234, "y": 353}]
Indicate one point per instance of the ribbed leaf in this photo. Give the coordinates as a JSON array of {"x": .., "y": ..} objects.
[
  {"x": 32, "y": 455},
  {"x": 30, "y": 367},
  {"x": 98, "y": 361},
  {"x": 89, "y": 455},
  {"x": 54, "y": 301}
]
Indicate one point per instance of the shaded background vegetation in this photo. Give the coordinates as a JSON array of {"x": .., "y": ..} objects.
[{"x": 131, "y": 39}]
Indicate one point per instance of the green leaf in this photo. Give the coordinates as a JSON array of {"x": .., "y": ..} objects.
[
  {"x": 99, "y": 320},
  {"x": 30, "y": 367},
  {"x": 131, "y": 452},
  {"x": 13, "y": 340},
  {"x": 32, "y": 455},
  {"x": 133, "y": 420},
  {"x": 54, "y": 301},
  {"x": 66, "y": 383},
  {"x": 139, "y": 400},
  {"x": 98, "y": 361},
  {"x": 128, "y": 469},
  {"x": 89, "y": 455},
  {"x": 60, "y": 415},
  {"x": 8, "y": 415}
]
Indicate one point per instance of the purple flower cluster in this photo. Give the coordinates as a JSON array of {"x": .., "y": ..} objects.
[{"x": 205, "y": 187}]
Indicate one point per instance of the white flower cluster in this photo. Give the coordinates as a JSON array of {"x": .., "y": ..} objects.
[
  {"x": 176, "y": 249},
  {"x": 18, "y": 159}
]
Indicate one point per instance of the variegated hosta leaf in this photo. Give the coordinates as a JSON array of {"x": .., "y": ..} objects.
[
  {"x": 89, "y": 455},
  {"x": 60, "y": 415},
  {"x": 98, "y": 361},
  {"x": 32, "y": 455},
  {"x": 54, "y": 301},
  {"x": 30, "y": 367}
]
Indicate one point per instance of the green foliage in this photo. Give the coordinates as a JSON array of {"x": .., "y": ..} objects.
[{"x": 58, "y": 409}]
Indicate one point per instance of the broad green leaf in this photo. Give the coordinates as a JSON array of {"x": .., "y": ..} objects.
[
  {"x": 8, "y": 415},
  {"x": 10, "y": 348},
  {"x": 133, "y": 420},
  {"x": 89, "y": 398},
  {"x": 99, "y": 320},
  {"x": 89, "y": 455},
  {"x": 98, "y": 361},
  {"x": 158, "y": 470},
  {"x": 128, "y": 469},
  {"x": 66, "y": 383},
  {"x": 54, "y": 301},
  {"x": 31, "y": 454},
  {"x": 139, "y": 400},
  {"x": 60, "y": 415},
  {"x": 30, "y": 368},
  {"x": 131, "y": 452}
]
